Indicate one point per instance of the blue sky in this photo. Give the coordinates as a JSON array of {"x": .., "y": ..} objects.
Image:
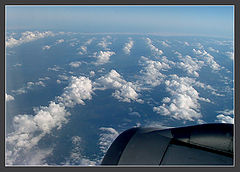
[{"x": 175, "y": 20}]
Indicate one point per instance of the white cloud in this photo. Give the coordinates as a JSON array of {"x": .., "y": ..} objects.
[
  {"x": 165, "y": 44},
  {"x": 76, "y": 157},
  {"x": 63, "y": 77},
  {"x": 29, "y": 129},
  {"x": 225, "y": 116},
  {"x": 46, "y": 47},
  {"x": 106, "y": 138},
  {"x": 102, "y": 57},
  {"x": 79, "y": 89},
  {"x": 225, "y": 119},
  {"x": 92, "y": 73},
  {"x": 75, "y": 64},
  {"x": 27, "y": 37},
  {"x": 207, "y": 87},
  {"x": 59, "y": 41},
  {"x": 151, "y": 72},
  {"x": 17, "y": 65},
  {"x": 226, "y": 112},
  {"x": 213, "y": 50},
  {"x": 82, "y": 50},
  {"x": 54, "y": 68},
  {"x": 105, "y": 43},
  {"x": 186, "y": 43},
  {"x": 128, "y": 47},
  {"x": 37, "y": 157},
  {"x": 44, "y": 78},
  {"x": 154, "y": 124},
  {"x": 9, "y": 98},
  {"x": 189, "y": 64},
  {"x": 59, "y": 81},
  {"x": 230, "y": 55},
  {"x": 88, "y": 42},
  {"x": 198, "y": 45},
  {"x": 183, "y": 105},
  {"x": 124, "y": 91},
  {"x": 21, "y": 144},
  {"x": 29, "y": 86},
  {"x": 135, "y": 114},
  {"x": 153, "y": 48},
  {"x": 209, "y": 59}
]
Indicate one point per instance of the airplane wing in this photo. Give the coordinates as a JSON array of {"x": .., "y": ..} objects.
[{"x": 206, "y": 144}]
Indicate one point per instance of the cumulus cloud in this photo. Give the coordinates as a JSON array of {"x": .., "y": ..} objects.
[
  {"x": 44, "y": 78},
  {"x": 29, "y": 129},
  {"x": 105, "y": 43},
  {"x": 135, "y": 114},
  {"x": 208, "y": 87},
  {"x": 63, "y": 77},
  {"x": 59, "y": 41},
  {"x": 230, "y": 55},
  {"x": 54, "y": 68},
  {"x": 75, "y": 64},
  {"x": 29, "y": 86},
  {"x": 106, "y": 138},
  {"x": 154, "y": 49},
  {"x": 226, "y": 112},
  {"x": 165, "y": 44},
  {"x": 9, "y": 98},
  {"x": 189, "y": 64},
  {"x": 224, "y": 119},
  {"x": 76, "y": 157},
  {"x": 102, "y": 57},
  {"x": 209, "y": 59},
  {"x": 46, "y": 47},
  {"x": 21, "y": 144},
  {"x": 213, "y": 50},
  {"x": 17, "y": 65},
  {"x": 92, "y": 73},
  {"x": 155, "y": 124},
  {"x": 27, "y": 37},
  {"x": 186, "y": 43},
  {"x": 124, "y": 91},
  {"x": 79, "y": 89},
  {"x": 88, "y": 42},
  {"x": 83, "y": 49},
  {"x": 151, "y": 72},
  {"x": 128, "y": 47},
  {"x": 225, "y": 116},
  {"x": 183, "y": 103}
]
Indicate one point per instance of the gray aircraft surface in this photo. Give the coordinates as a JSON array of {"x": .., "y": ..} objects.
[{"x": 206, "y": 144}]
